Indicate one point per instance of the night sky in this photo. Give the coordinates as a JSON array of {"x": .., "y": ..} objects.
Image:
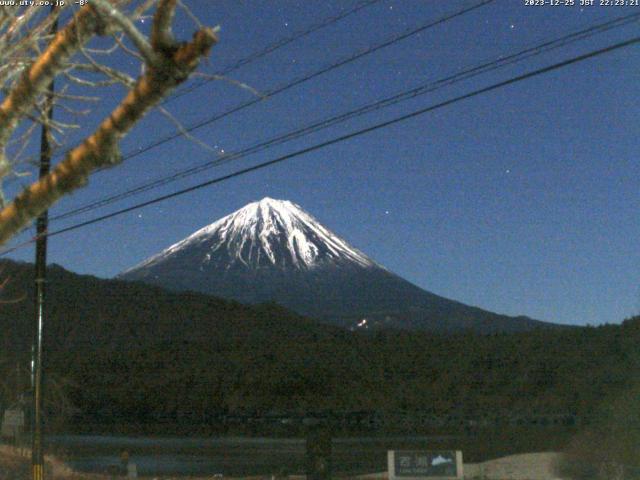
[{"x": 521, "y": 201}]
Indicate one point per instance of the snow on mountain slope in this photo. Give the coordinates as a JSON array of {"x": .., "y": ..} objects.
[
  {"x": 266, "y": 233},
  {"x": 273, "y": 251}
]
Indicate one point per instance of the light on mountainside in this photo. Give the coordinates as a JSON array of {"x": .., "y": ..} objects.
[{"x": 274, "y": 251}]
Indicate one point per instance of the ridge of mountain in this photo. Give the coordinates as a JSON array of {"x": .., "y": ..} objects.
[
  {"x": 274, "y": 251},
  {"x": 268, "y": 233}
]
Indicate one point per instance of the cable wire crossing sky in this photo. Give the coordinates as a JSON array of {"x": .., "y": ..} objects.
[{"x": 484, "y": 150}]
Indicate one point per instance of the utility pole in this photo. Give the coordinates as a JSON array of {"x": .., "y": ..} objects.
[{"x": 37, "y": 454}]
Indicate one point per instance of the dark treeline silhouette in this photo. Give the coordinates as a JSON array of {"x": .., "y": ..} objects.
[{"x": 127, "y": 353}]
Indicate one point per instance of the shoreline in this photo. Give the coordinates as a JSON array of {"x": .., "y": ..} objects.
[{"x": 526, "y": 466}]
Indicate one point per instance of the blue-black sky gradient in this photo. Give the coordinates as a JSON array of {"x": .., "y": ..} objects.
[{"x": 521, "y": 201}]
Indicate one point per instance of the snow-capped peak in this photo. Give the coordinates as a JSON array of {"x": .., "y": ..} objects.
[{"x": 266, "y": 233}]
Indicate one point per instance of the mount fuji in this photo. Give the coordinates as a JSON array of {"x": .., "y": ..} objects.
[{"x": 274, "y": 251}]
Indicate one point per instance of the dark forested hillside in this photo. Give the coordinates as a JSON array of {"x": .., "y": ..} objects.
[
  {"x": 274, "y": 251},
  {"x": 131, "y": 353}
]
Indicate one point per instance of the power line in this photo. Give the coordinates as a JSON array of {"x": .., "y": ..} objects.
[
  {"x": 265, "y": 51},
  {"x": 306, "y": 78},
  {"x": 345, "y": 137},
  {"x": 299, "y": 81},
  {"x": 275, "y": 46},
  {"x": 397, "y": 98}
]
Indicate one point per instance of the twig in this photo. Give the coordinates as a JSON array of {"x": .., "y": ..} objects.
[
  {"x": 139, "y": 40},
  {"x": 183, "y": 131}
]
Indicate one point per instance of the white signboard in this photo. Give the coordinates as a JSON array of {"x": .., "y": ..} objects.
[
  {"x": 13, "y": 418},
  {"x": 12, "y": 422},
  {"x": 132, "y": 470},
  {"x": 425, "y": 464}
]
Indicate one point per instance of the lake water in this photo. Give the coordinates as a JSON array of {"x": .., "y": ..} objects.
[{"x": 229, "y": 455}]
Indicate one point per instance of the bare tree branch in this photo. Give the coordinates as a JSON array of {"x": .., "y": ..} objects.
[
  {"x": 176, "y": 62},
  {"x": 35, "y": 80},
  {"x": 161, "y": 35},
  {"x": 184, "y": 132},
  {"x": 122, "y": 21}
]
